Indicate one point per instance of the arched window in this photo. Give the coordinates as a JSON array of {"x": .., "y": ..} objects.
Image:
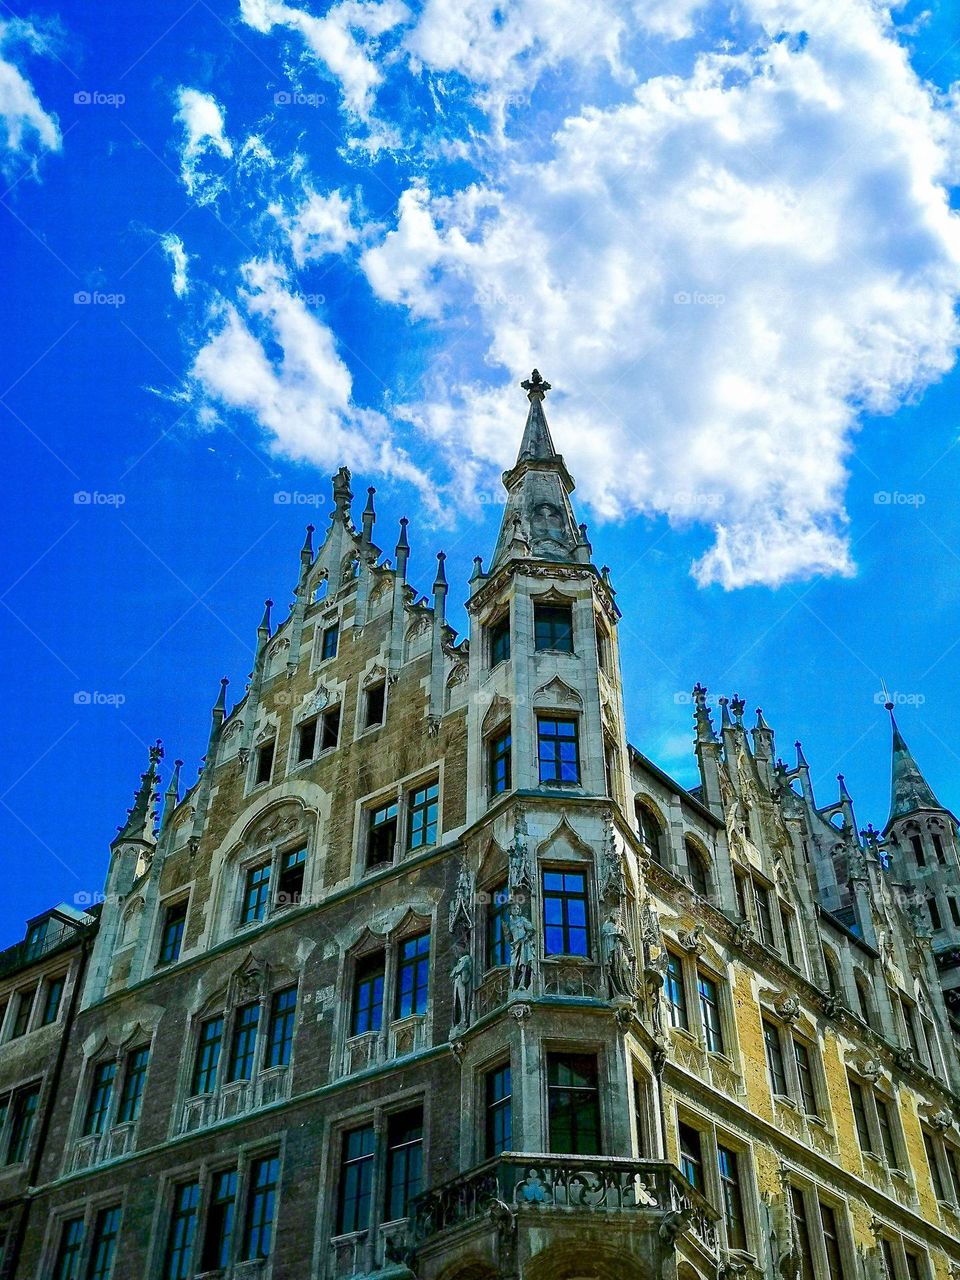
[
  {"x": 834, "y": 982},
  {"x": 865, "y": 1005},
  {"x": 699, "y": 869},
  {"x": 651, "y": 832}
]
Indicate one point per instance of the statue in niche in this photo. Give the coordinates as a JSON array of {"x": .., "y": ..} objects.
[
  {"x": 462, "y": 975},
  {"x": 521, "y": 947},
  {"x": 547, "y": 528},
  {"x": 619, "y": 957}
]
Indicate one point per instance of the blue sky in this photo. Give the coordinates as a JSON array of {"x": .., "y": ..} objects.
[{"x": 310, "y": 234}]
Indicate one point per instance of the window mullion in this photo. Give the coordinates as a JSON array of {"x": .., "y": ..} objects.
[{"x": 791, "y": 1067}]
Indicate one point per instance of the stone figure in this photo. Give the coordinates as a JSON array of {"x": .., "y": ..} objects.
[
  {"x": 462, "y": 975},
  {"x": 618, "y": 956},
  {"x": 521, "y": 947}
]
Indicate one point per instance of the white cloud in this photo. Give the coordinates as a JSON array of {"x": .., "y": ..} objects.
[
  {"x": 28, "y": 127},
  {"x": 204, "y": 131},
  {"x": 721, "y": 276},
  {"x": 304, "y": 398},
  {"x": 344, "y": 40},
  {"x": 172, "y": 246},
  {"x": 319, "y": 225}
]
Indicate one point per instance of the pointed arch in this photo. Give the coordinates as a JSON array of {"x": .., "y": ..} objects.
[
  {"x": 557, "y": 693},
  {"x": 498, "y": 713},
  {"x": 562, "y": 835}
]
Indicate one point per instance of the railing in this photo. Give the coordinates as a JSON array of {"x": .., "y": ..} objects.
[
  {"x": 235, "y": 1098},
  {"x": 569, "y": 978},
  {"x": 403, "y": 1036},
  {"x": 26, "y": 952},
  {"x": 592, "y": 1184}
]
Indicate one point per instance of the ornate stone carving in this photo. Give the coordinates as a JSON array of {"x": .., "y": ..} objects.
[
  {"x": 610, "y": 872},
  {"x": 787, "y": 1007},
  {"x": 522, "y": 934},
  {"x": 619, "y": 959},
  {"x": 517, "y": 855},
  {"x": 461, "y": 906},
  {"x": 462, "y": 976},
  {"x": 692, "y": 940}
]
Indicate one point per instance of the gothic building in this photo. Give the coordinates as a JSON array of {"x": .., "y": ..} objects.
[{"x": 432, "y": 975}]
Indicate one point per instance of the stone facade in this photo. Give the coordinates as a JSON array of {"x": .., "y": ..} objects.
[{"x": 432, "y": 975}]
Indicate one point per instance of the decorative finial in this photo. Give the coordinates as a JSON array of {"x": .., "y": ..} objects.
[
  {"x": 535, "y": 385},
  {"x": 441, "y": 578},
  {"x": 801, "y": 758},
  {"x": 477, "y": 569},
  {"x": 221, "y": 703},
  {"x": 761, "y": 723},
  {"x": 737, "y": 706},
  {"x": 306, "y": 551},
  {"x": 263, "y": 631}
]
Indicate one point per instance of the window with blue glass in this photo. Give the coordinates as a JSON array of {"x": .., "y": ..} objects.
[
  {"x": 498, "y": 933},
  {"x": 691, "y": 1155},
  {"x": 404, "y": 1162},
  {"x": 553, "y": 627},
  {"x": 243, "y": 1047},
  {"x": 423, "y": 806},
  {"x": 53, "y": 994},
  {"x": 499, "y": 1099},
  {"x": 25, "y": 1106},
  {"x": 101, "y": 1092},
  {"x": 171, "y": 935},
  {"x": 256, "y": 893},
  {"x": 178, "y": 1258},
  {"x": 558, "y": 750},
  {"x": 293, "y": 866},
  {"x": 208, "y": 1056},
  {"x": 573, "y": 1101},
  {"x": 221, "y": 1217},
  {"x": 356, "y": 1180},
  {"x": 329, "y": 642},
  {"x": 565, "y": 929},
  {"x": 134, "y": 1079},
  {"x": 261, "y": 1207},
  {"x": 413, "y": 975},
  {"x": 500, "y": 757},
  {"x": 67, "y": 1263},
  {"x": 106, "y": 1228},
  {"x": 368, "y": 994},
  {"x": 500, "y": 640},
  {"x": 283, "y": 1013},
  {"x": 676, "y": 993}
]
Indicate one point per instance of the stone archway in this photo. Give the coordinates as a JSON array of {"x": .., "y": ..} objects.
[{"x": 588, "y": 1260}]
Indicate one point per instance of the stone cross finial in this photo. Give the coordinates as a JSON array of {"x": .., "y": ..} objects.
[{"x": 535, "y": 385}]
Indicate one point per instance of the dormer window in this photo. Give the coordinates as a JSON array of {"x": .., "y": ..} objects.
[
  {"x": 500, "y": 640},
  {"x": 553, "y": 627},
  {"x": 264, "y": 765}
]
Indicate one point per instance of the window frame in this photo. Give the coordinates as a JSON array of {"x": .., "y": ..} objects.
[
  {"x": 168, "y": 906},
  {"x": 499, "y": 752},
  {"x": 551, "y": 629},
  {"x": 556, "y": 719},
  {"x": 499, "y": 637},
  {"x": 565, "y": 897},
  {"x": 581, "y": 1054}
]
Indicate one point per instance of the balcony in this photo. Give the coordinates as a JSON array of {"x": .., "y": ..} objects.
[{"x": 644, "y": 1205}]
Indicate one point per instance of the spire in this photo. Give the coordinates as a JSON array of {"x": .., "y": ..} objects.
[
  {"x": 440, "y": 589},
  {"x": 704, "y": 721},
  {"x": 801, "y": 758},
  {"x": 263, "y": 631},
  {"x": 909, "y": 790},
  {"x": 369, "y": 515},
  {"x": 171, "y": 797},
  {"x": 139, "y": 823},
  {"x": 306, "y": 551},
  {"x": 538, "y": 520},
  {"x": 844, "y": 793},
  {"x": 403, "y": 549}
]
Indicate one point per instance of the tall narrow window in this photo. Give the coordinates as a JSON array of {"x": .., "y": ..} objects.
[
  {"x": 886, "y": 1253},
  {"x": 328, "y": 642},
  {"x": 134, "y": 1078},
  {"x": 553, "y": 627},
  {"x": 243, "y": 1047},
  {"x": 24, "y": 1113},
  {"x": 858, "y": 1102},
  {"x": 500, "y": 640},
  {"x": 831, "y": 1242},
  {"x": 53, "y": 994},
  {"x": 650, "y": 831},
  {"x": 954, "y": 909},
  {"x": 885, "y": 1124},
  {"x": 936, "y": 1178},
  {"x": 368, "y": 994},
  {"x": 208, "y": 1056},
  {"x": 171, "y": 935},
  {"x": 382, "y": 834},
  {"x": 21, "y": 1020},
  {"x": 916, "y": 845},
  {"x": 101, "y": 1091},
  {"x": 330, "y": 728},
  {"x": 404, "y": 1162},
  {"x": 802, "y": 1230},
  {"x": 307, "y": 739},
  {"x": 375, "y": 704},
  {"x": 413, "y": 975},
  {"x": 573, "y": 1104},
  {"x": 602, "y": 653},
  {"x": 565, "y": 913},
  {"x": 939, "y": 849},
  {"x": 283, "y": 1014},
  {"x": 808, "y": 1092},
  {"x": 423, "y": 806},
  {"x": 558, "y": 751},
  {"x": 691, "y": 1155},
  {"x": 731, "y": 1197},
  {"x": 787, "y": 918},
  {"x": 675, "y": 992},
  {"x": 67, "y": 1263},
  {"x": 498, "y": 935},
  {"x": 256, "y": 893},
  {"x": 178, "y": 1260},
  {"x": 916, "y": 1265},
  {"x": 499, "y": 1128},
  {"x": 953, "y": 1164},
  {"x": 775, "y": 1063},
  {"x": 221, "y": 1218},
  {"x": 106, "y": 1228},
  {"x": 761, "y": 898},
  {"x": 264, "y": 770},
  {"x": 293, "y": 864},
  {"x": 356, "y": 1180},
  {"x": 710, "y": 1013},
  {"x": 261, "y": 1207},
  {"x": 697, "y": 867},
  {"x": 499, "y": 757},
  {"x": 934, "y": 910}
]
